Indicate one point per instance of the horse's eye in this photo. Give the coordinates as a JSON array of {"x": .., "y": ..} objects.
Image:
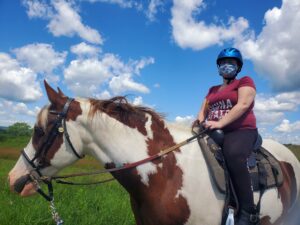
[{"x": 39, "y": 131}]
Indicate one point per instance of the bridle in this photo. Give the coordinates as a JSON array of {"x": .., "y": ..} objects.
[{"x": 58, "y": 127}]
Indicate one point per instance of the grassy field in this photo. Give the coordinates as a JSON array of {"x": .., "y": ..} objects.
[{"x": 105, "y": 204}]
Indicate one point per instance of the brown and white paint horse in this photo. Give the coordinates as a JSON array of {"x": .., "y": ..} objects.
[{"x": 174, "y": 189}]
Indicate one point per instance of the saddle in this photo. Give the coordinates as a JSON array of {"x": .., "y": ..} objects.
[{"x": 264, "y": 168}]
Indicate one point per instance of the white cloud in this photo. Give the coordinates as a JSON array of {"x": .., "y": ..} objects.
[
  {"x": 187, "y": 120},
  {"x": 284, "y": 138},
  {"x": 156, "y": 85},
  {"x": 189, "y": 33},
  {"x": 22, "y": 109},
  {"x": 34, "y": 55},
  {"x": 12, "y": 112},
  {"x": 153, "y": 8},
  {"x": 138, "y": 101},
  {"x": 89, "y": 76},
  {"x": 269, "y": 110},
  {"x": 149, "y": 8},
  {"x": 275, "y": 52},
  {"x": 83, "y": 76},
  {"x": 37, "y": 9},
  {"x": 64, "y": 19},
  {"x": 286, "y": 126},
  {"x": 140, "y": 64},
  {"x": 121, "y": 3},
  {"x": 103, "y": 95},
  {"x": 268, "y": 117},
  {"x": 82, "y": 49},
  {"x": 68, "y": 22},
  {"x": 17, "y": 83},
  {"x": 120, "y": 84},
  {"x": 278, "y": 103},
  {"x": 292, "y": 97}
]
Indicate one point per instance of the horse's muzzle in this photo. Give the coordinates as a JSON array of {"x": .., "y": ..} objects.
[{"x": 20, "y": 183}]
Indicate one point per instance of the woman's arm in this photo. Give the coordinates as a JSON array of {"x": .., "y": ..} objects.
[
  {"x": 246, "y": 97},
  {"x": 203, "y": 111}
]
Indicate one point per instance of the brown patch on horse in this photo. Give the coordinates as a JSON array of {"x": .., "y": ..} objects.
[
  {"x": 287, "y": 192},
  {"x": 168, "y": 175},
  {"x": 158, "y": 203},
  {"x": 126, "y": 113},
  {"x": 265, "y": 220}
]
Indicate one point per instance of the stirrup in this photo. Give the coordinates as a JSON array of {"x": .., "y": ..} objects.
[{"x": 248, "y": 218}]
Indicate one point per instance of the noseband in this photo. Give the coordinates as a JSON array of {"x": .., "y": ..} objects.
[{"x": 58, "y": 127}]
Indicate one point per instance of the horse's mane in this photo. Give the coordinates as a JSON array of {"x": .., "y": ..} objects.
[{"x": 120, "y": 105}]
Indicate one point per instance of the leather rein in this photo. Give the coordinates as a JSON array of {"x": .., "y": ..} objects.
[{"x": 36, "y": 176}]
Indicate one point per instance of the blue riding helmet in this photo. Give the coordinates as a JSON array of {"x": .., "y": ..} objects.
[{"x": 231, "y": 53}]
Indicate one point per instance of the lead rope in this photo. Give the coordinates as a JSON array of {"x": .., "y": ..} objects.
[{"x": 55, "y": 214}]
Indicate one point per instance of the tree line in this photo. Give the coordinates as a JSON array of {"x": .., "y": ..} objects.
[{"x": 19, "y": 129}]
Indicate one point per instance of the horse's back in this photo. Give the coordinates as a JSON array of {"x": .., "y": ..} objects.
[
  {"x": 281, "y": 152},
  {"x": 286, "y": 157}
]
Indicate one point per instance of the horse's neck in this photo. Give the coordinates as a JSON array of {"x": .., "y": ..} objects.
[
  {"x": 116, "y": 144},
  {"x": 175, "y": 182}
]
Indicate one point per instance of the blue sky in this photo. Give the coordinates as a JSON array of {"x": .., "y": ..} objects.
[{"x": 160, "y": 53}]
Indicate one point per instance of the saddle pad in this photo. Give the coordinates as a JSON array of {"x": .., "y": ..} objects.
[
  {"x": 215, "y": 169},
  {"x": 266, "y": 174}
]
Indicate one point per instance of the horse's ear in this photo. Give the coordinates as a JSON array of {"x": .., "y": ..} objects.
[
  {"x": 60, "y": 92},
  {"x": 53, "y": 96}
]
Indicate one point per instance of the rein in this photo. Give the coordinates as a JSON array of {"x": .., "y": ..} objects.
[{"x": 57, "y": 179}]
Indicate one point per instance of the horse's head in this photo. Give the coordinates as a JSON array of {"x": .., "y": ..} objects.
[{"x": 50, "y": 148}]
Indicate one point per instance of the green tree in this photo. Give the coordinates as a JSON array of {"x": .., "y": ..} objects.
[{"x": 19, "y": 129}]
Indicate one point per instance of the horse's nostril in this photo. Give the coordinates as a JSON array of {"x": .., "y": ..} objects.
[{"x": 20, "y": 183}]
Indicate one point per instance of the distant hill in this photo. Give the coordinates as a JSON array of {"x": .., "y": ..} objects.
[
  {"x": 293, "y": 147},
  {"x": 3, "y": 128}
]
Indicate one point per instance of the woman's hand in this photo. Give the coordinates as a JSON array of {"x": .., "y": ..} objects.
[{"x": 213, "y": 125}]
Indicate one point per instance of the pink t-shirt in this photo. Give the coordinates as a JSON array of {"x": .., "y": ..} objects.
[{"x": 220, "y": 102}]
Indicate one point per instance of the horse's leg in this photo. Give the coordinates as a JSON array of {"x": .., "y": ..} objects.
[{"x": 136, "y": 212}]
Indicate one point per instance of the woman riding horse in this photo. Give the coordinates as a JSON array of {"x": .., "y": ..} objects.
[{"x": 229, "y": 106}]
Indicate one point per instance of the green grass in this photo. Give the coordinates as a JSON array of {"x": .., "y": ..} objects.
[
  {"x": 14, "y": 142},
  {"x": 295, "y": 149},
  {"x": 105, "y": 204}
]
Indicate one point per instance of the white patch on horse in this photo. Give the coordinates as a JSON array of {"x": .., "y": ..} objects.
[
  {"x": 271, "y": 204},
  {"x": 122, "y": 144},
  {"x": 22, "y": 167},
  {"x": 197, "y": 188},
  {"x": 44, "y": 116},
  {"x": 148, "y": 126}
]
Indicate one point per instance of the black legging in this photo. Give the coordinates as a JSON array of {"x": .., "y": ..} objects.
[{"x": 237, "y": 148}]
